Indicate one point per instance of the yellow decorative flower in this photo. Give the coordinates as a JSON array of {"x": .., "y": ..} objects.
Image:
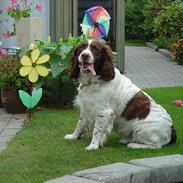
[{"x": 32, "y": 65}]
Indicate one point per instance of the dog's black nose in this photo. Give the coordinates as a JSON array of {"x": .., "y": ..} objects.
[{"x": 85, "y": 56}]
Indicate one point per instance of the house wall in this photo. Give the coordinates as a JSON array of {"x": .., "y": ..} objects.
[{"x": 6, "y": 21}]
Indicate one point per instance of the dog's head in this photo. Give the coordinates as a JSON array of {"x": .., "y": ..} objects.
[{"x": 94, "y": 58}]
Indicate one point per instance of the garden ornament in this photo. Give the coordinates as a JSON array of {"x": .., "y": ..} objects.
[
  {"x": 96, "y": 22},
  {"x": 32, "y": 65},
  {"x": 30, "y": 101}
]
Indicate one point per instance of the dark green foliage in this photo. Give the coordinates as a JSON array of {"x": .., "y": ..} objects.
[
  {"x": 170, "y": 21},
  {"x": 134, "y": 19},
  {"x": 150, "y": 12},
  {"x": 160, "y": 21},
  {"x": 9, "y": 73},
  {"x": 58, "y": 91},
  {"x": 164, "y": 42}
]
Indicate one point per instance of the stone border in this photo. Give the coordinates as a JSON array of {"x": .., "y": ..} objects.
[
  {"x": 163, "y": 169},
  {"x": 164, "y": 52}
]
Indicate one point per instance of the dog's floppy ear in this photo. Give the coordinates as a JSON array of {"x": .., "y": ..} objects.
[
  {"x": 74, "y": 73},
  {"x": 107, "y": 70}
]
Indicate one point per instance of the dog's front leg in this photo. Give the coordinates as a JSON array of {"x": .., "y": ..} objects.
[
  {"x": 104, "y": 123},
  {"x": 79, "y": 129}
]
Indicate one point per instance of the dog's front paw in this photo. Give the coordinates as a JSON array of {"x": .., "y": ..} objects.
[
  {"x": 92, "y": 147},
  {"x": 70, "y": 137}
]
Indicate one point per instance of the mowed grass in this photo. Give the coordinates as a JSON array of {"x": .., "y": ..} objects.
[
  {"x": 39, "y": 152},
  {"x": 135, "y": 42}
]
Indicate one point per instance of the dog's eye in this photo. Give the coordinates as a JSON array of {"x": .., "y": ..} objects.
[
  {"x": 83, "y": 46},
  {"x": 94, "y": 48}
]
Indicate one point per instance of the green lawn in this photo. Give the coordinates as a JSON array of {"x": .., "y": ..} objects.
[
  {"x": 135, "y": 42},
  {"x": 39, "y": 152}
]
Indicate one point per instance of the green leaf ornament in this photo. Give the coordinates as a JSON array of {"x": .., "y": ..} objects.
[{"x": 28, "y": 100}]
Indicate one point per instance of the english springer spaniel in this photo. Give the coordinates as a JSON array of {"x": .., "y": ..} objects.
[{"x": 110, "y": 101}]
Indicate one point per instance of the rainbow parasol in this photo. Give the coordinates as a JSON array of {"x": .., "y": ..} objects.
[{"x": 96, "y": 22}]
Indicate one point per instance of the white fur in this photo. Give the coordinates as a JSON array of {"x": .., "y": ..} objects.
[
  {"x": 101, "y": 104},
  {"x": 87, "y": 51}
]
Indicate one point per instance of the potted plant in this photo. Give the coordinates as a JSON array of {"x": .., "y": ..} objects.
[
  {"x": 3, "y": 52},
  {"x": 10, "y": 83}
]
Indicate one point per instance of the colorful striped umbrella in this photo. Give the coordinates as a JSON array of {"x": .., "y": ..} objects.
[{"x": 96, "y": 22}]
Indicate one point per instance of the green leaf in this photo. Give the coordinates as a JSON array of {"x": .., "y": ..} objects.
[
  {"x": 36, "y": 97},
  {"x": 25, "y": 98},
  {"x": 24, "y": 50},
  {"x": 39, "y": 83},
  {"x": 56, "y": 67},
  {"x": 64, "y": 50}
]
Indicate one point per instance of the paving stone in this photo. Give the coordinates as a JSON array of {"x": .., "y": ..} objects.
[
  {"x": 10, "y": 132},
  {"x": 19, "y": 117},
  {"x": 117, "y": 173},
  {"x": 3, "y": 125},
  {"x": 15, "y": 124},
  {"x": 166, "y": 53},
  {"x": 149, "y": 69},
  {"x": 5, "y": 119},
  {"x": 10, "y": 124},
  {"x": 71, "y": 179},
  {"x": 5, "y": 138},
  {"x": 165, "y": 169},
  {"x": 3, "y": 146}
]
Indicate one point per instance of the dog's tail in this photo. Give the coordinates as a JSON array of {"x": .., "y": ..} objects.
[{"x": 173, "y": 136}]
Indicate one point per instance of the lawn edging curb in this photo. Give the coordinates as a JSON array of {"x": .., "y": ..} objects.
[
  {"x": 163, "y": 169},
  {"x": 164, "y": 52}
]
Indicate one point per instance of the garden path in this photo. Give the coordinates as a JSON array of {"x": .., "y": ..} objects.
[
  {"x": 149, "y": 69},
  {"x": 10, "y": 124}
]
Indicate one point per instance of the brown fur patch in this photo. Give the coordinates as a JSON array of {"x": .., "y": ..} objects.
[
  {"x": 173, "y": 136},
  {"x": 137, "y": 107}
]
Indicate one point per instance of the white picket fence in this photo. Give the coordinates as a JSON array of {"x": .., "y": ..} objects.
[{"x": 6, "y": 22}]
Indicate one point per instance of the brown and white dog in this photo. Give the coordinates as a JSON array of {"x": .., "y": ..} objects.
[{"x": 110, "y": 101}]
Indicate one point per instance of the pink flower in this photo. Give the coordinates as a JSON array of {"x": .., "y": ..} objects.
[
  {"x": 14, "y": 1},
  {"x": 38, "y": 7},
  {"x": 7, "y": 34},
  {"x": 9, "y": 8},
  {"x": 3, "y": 52}
]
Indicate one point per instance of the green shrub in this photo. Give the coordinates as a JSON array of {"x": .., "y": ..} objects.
[
  {"x": 170, "y": 21},
  {"x": 59, "y": 91},
  {"x": 163, "y": 42},
  {"x": 151, "y": 11},
  {"x": 9, "y": 73},
  {"x": 140, "y": 14},
  {"x": 134, "y": 19}
]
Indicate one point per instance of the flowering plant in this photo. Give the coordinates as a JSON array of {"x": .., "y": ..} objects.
[
  {"x": 19, "y": 9},
  {"x": 177, "y": 51},
  {"x": 9, "y": 73},
  {"x": 55, "y": 56}
]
